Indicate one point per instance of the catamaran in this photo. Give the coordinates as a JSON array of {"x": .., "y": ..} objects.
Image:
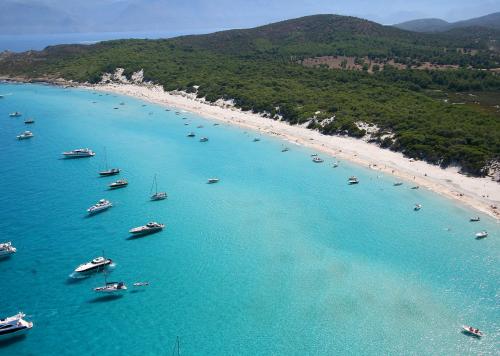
[
  {"x": 79, "y": 153},
  {"x": 157, "y": 195},
  {"x": 149, "y": 228},
  {"x": 14, "y": 325},
  {"x": 6, "y": 249},
  {"x": 108, "y": 171},
  {"x": 96, "y": 265},
  {"x": 25, "y": 135},
  {"x": 100, "y": 206}
]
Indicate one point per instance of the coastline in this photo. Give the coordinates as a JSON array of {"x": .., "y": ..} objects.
[{"x": 482, "y": 194}]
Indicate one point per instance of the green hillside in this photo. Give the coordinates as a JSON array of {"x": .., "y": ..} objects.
[{"x": 260, "y": 70}]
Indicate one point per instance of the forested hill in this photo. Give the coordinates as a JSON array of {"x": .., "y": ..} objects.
[{"x": 412, "y": 90}]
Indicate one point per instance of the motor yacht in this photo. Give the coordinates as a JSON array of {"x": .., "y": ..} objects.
[
  {"x": 6, "y": 249},
  {"x": 25, "y": 135},
  {"x": 472, "y": 331},
  {"x": 120, "y": 183},
  {"x": 110, "y": 172},
  {"x": 353, "y": 180},
  {"x": 149, "y": 228},
  {"x": 100, "y": 206},
  {"x": 14, "y": 325},
  {"x": 79, "y": 153},
  {"x": 96, "y": 265},
  {"x": 481, "y": 234}
]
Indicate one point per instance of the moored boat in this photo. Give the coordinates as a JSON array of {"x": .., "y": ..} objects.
[
  {"x": 108, "y": 171},
  {"x": 353, "y": 180},
  {"x": 29, "y": 121},
  {"x": 79, "y": 153},
  {"x": 481, "y": 234},
  {"x": 111, "y": 287},
  {"x": 397, "y": 184},
  {"x": 204, "y": 139},
  {"x": 15, "y": 114},
  {"x": 285, "y": 149},
  {"x": 475, "y": 219},
  {"x": 213, "y": 180},
  {"x": 157, "y": 195},
  {"x": 6, "y": 249},
  {"x": 25, "y": 135},
  {"x": 100, "y": 206},
  {"x": 96, "y": 265},
  {"x": 256, "y": 139},
  {"x": 317, "y": 160},
  {"x": 120, "y": 183},
  {"x": 14, "y": 325},
  {"x": 417, "y": 207},
  {"x": 141, "y": 284},
  {"x": 472, "y": 331},
  {"x": 149, "y": 228},
  {"x": 191, "y": 134}
]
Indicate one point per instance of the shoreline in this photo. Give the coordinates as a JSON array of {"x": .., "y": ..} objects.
[{"x": 482, "y": 194}]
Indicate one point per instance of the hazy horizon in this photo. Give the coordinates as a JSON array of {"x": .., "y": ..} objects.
[{"x": 59, "y": 16}]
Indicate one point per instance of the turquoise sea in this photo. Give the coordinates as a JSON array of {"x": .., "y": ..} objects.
[{"x": 281, "y": 257}]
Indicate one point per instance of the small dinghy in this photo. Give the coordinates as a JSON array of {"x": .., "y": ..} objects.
[
  {"x": 213, "y": 180},
  {"x": 256, "y": 139},
  {"x": 481, "y": 234},
  {"x": 417, "y": 207},
  {"x": 415, "y": 187},
  {"x": 204, "y": 139},
  {"x": 317, "y": 160},
  {"x": 141, "y": 284},
  {"x": 469, "y": 330},
  {"x": 353, "y": 180},
  {"x": 191, "y": 134},
  {"x": 286, "y": 149},
  {"x": 397, "y": 184},
  {"x": 29, "y": 121},
  {"x": 475, "y": 219}
]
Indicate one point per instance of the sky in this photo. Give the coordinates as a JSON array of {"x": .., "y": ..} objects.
[{"x": 58, "y": 16}]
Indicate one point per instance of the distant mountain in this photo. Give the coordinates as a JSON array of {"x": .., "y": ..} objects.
[
  {"x": 437, "y": 25},
  {"x": 31, "y": 18}
]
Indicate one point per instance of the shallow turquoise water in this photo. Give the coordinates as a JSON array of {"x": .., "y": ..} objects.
[{"x": 280, "y": 257}]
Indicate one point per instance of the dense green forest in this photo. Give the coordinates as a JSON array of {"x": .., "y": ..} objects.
[{"x": 260, "y": 70}]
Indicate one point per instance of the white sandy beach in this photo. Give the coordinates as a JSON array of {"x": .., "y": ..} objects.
[{"x": 482, "y": 194}]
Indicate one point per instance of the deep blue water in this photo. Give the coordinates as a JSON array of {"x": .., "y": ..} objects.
[{"x": 280, "y": 257}]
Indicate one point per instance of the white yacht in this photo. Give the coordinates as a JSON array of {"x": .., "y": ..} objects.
[
  {"x": 97, "y": 264},
  {"x": 6, "y": 249},
  {"x": 25, "y": 135},
  {"x": 353, "y": 180},
  {"x": 14, "y": 325},
  {"x": 213, "y": 180},
  {"x": 317, "y": 160},
  {"x": 15, "y": 114},
  {"x": 149, "y": 228},
  {"x": 79, "y": 153},
  {"x": 101, "y": 205},
  {"x": 120, "y": 183},
  {"x": 481, "y": 234},
  {"x": 111, "y": 287},
  {"x": 204, "y": 139}
]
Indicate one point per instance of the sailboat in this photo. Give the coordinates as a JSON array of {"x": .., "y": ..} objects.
[
  {"x": 110, "y": 287},
  {"x": 108, "y": 171},
  {"x": 177, "y": 348},
  {"x": 157, "y": 195}
]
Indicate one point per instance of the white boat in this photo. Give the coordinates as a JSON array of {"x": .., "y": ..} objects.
[
  {"x": 141, "y": 284},
  {"x": 111, "y": 287},
  {"x": 108, "y": 171},
  {"x": 191, "y": 134},
  {"x": 204, "y": 139},
  {"x": 25, "y": 135},
  {"x": 6, "y": 249},
  {"x": 417, "y": 207},
  {"x": 79, "y": 153},
  {"x": 213, "y": 180},
  {"x": 157, "y": 195},
  {"x": 472, "y": 331},
  {"x": 14, "y": 325},
  {"x": 96, "y": 265},
  {"x": 100, "y": 206},
  {"x": 475, "y": 219},
  {"x": 481, "y": 234},
  {"x": 15, "y": 114},
  {"x": 120, "y": 183},
  {"x": 317, "y": 160},
  {"x": 149, "y": 228},
  {"x": 353, "y": 180}
]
